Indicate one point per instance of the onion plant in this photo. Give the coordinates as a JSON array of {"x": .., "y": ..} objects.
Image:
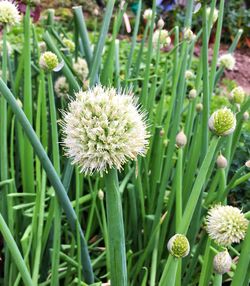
[{"x": 114, "y": 166}]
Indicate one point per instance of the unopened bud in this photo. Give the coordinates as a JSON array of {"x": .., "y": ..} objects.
[
  {"x": 222, "y": 262},
  {"x": 181, "y": 139},
  {"x": 199, "y": 107},
  {"x": 245, "y": 115},
  {"x": 221, "y": 162},
  {"x": 192, "y": 93},
  {"x": 101, "y": 195},
  {"x": 160, "y": 23},
  {"x": 247, "y": 164}
]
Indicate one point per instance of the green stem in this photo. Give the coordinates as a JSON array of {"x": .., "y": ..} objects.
[
  {"x": 28, "y": 172},
  {"x": 52, "y": 176},
  {"x": 197, "y": 188},
  {"x": 116, "y": 235},
  {"x": 56, "y": 163},
  {"x": 11, "y": 244},
  {"x": 217, "y": 280}
]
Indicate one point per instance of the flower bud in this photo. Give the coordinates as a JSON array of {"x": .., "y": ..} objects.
[
  {"x": 181, "y": 139},
  {"x": 189, "y": 75},
  {"x": 221, "y": 162},
  {"x": 160, "y": 23},
  {"x": 222, "y": 262},
  {"x": 69, "y": 44},
  {"x": 222, "y": 122},
  {"x": 247, "y": 164},
  {"x": 48, "y": 61},
  {"x": 188, "y": 34},
  {"x": 192, "y": 93},
  {"x": 237, "y": 95},
  {"x": 245, "y": 115},
  {"x": 215, "y": 14},
  {"x": 148, "y": 14},
  {"x": 19, "y": 102},
  {"x": 199, "y": 107},
  {"x": 178, "y": 246},
  {"x": 101, "y": 195}
]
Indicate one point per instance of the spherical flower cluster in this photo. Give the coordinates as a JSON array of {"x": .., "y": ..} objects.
[
  {"x": 69, "y": 44},
  {"x": 222, "y": 122},
  {"x": 178, "y": 246},
  {"x": 215, "y": 14},
  {"x": 148, "y": 14},
  {"x": 48, "y": 61},
  {"x": 81, "y": 68},
  {"x": 61, "y": 87},
  {"x": 188, "y": 34},
  {"x": 162, "y": 37},
  {"x": 227, "y": 61},
  {"x": 189, "y": 75},
  {"x": 222, "y": 262},
  {"x": 104, "y": 129},
  {"x": 9, "y": 14},
  {"x": 226, "y": 225},
  {"x": 237, "y": 95}
]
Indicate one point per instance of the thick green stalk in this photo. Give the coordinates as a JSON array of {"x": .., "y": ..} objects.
[
  {"x": 4, "y": 150},
  {"x": 216, "y": 46},
  {"x": 28, "y": 171},
  {"x": 116, "y": 235},
  {"x": 178, "y": 192},
  {"x": 197, "y": 188},
  {"x": 96, "y": 62},
  {"x": 17, "y": 257},
  {"x": 244, "y": 262},
  {"x": 206, "y": 97},
  {"x": 52, "y": 176},
  {"x": 217, "y": 280},
  {"x": 56, "y": 163}
]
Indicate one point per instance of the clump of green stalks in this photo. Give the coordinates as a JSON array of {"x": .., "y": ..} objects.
[{"x": 53, "y": 219}]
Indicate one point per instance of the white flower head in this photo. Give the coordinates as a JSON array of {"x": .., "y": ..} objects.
[
  {"x": 215, "y": 14},
  {"x": 222, "y": 262},
  {"x": 9, "y": 14},
  {"x": 178, "y": 246},
  {"x": 104, "y": 128},
  {"x": 148, "y": 14},
  {"x": 162, "y": 37},
  {"x": 61, "y": 87},
  {"x": 227, "y": 61},
  {"x": 181, "y": 139},
  {"x": 226, "y": 225},
  {"x": 222, "y": 122},
  {"x": 80, "y": 67}
]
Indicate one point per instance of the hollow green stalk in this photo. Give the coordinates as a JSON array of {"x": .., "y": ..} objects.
[
  {"x": 28, "y": 171},
  {"x": 116, "y": 237},
  {"x": 17, "y": 257},
  {"x": 52, "y": 176},
  {"x": 56, "y": 163}
]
